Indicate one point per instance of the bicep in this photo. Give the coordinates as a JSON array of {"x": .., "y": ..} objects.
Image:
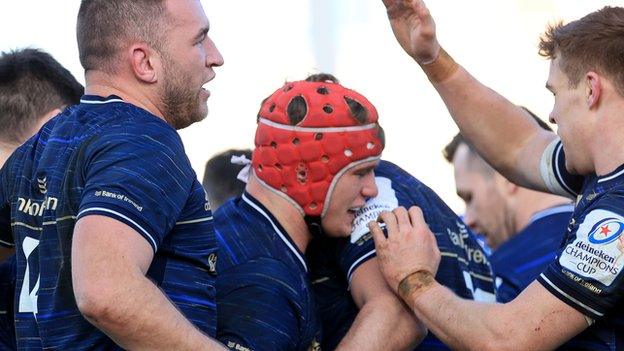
[
  {"x": 538, "y": 319},
  {"x": 543, "y": 162},
  {"x": 533, "y": 160},
  {"x": 367, "y": 282},
  {"x": 106, "y": 250}
]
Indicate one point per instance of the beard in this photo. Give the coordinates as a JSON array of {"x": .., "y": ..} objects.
[{"x": 181, "y": 101}]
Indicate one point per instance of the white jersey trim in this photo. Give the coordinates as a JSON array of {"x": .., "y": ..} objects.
[
  {"x": 279, "y": 232},
  {"x": 150, "y": 237},
  {"x": 551, "y": 174},
  {"x": 6, "y": 243},
  {"x": 570, "y": 297},
  {"x": 97, "y": 102},
  {"x": 611, "y": 176},
  {"x": 357, "y": 262},
  {"x": 551, "y": 211},
  {"x": 199, "y": 220}
]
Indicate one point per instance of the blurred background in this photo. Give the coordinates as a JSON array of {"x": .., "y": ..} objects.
[{"x": 267, "y": 42}]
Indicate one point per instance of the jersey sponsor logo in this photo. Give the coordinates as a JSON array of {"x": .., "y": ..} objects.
[
  {"x": 386, "y": 200},
  {"x": 35, "y": 208},
  {"x": 596, "y": 252},
  {"x": 606, "y": 231},
  {"x": 120, "y": 197},
  {"x": 236, "y": 346},
  {"x": 207, "y": 206},
  {"x": 42, "y": 184},
  {"x": 459, "y": 238},
  {"x": 212, "y": 264},
  {"x": 315, "y": 346}
]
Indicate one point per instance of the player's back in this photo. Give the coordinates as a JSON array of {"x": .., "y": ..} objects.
[
  {"x": 109, "y": 158},
  {"x": 264, "y": 297}
]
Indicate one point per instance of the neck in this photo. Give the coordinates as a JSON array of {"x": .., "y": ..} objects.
[
  {"x": 607, "y": 149},
  {"x": 286, "y": 214},
  {"x": 532, "y": 202},
  {"x": 5, "y": 151},
  {"x": 103, "y": 84}
]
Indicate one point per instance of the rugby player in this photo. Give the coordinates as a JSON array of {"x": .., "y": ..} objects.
[
  {"x": 344, "y": 272},
  {"x": 34, "y": 87},
  {"x": 339, "y": 265},
  {"x": 317, "y": 145},
  {"x": 584, "y": 284},
  {"x": 523, "y": 227},
  {"x": 113, "y": 233}
]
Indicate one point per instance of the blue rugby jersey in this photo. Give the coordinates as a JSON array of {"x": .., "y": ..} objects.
[
  {"x": 464, "y": 267},
  {"x": 103, "y": 157},
  {"x": 587, "y": 273},
  {"x": 519, "y": 260},
  {"x": 263, "y": 294},
  {"x": 7, "y": 290}
]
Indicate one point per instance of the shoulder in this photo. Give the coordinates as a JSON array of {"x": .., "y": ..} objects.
[{"x": 267, "y": 274}]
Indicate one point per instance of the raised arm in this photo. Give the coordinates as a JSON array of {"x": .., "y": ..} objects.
[
  {"x": 503, "y": 133},
  {"x": 383, "y": 321},
  {"x": 109, "y": 262}
]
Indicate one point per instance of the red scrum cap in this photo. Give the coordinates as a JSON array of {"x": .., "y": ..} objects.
[{"x": 308, "y": 135}]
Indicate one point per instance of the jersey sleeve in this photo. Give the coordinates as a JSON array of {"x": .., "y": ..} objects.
[
  {"x": 587, "y": 273},
  {"x": 506, "y": 290},
  {"x": 554, "y": 173},
  {"x": 259, "y": 305},
  {"x": 6, "y": 238},
  {"x": 140, "y": 177}
]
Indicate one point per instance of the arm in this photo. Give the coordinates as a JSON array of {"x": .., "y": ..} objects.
[
  {"x": 383, "y": 321},
  {"x": 504, "y": 134},
  {"x": 536, "y": 318},
  {"x": 109, "y": 262}
]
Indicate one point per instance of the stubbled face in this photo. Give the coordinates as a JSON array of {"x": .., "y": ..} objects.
[
  {"x": 568, "y": 113},
  {"x": 352, "y": 190},
  {"x": 487, "y": 212},
  {"x": 188, "y": 60}
]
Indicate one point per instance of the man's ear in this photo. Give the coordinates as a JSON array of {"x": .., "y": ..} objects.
[
  {"x": 506, "y": 187},
  {"x": 593, "y": 89},
  {"x": 144, "y": 63}
]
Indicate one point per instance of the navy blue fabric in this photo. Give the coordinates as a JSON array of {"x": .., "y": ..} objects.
[
  {"x": 103, "y": 157},
  {"x": 518, "y": 261},
  {"x": 7, "y": 290},
  {"x": 264, "y": 296},
  {"x": 464, "y": 267},
  {"x": 587, "y": 273}
]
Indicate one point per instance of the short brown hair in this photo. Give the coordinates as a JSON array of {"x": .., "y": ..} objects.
[
  {"x": 594, "y": 42},
  {"x": 105, "y": 26},
  {"x": 32, "y": 83}
]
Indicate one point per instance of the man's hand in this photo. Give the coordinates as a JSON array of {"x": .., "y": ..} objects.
[
  {"x": 414, "y": 29},
  {"x": 409, "y": 248}
]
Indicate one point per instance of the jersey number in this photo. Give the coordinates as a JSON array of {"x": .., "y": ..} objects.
[
  {"x": 478, "y": 294},
  {"x": 28, "y": 297}
]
